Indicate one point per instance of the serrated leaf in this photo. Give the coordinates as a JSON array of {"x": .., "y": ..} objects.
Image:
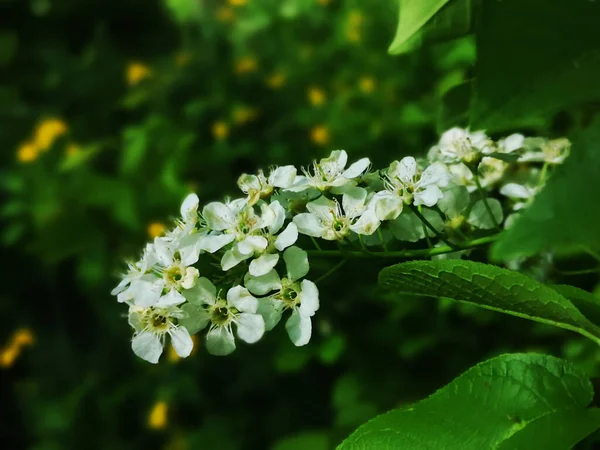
[
  {"x": 489, "y": 287},
  {"x": 525, "y": 73},
  {"x": 511, "y": 401}
]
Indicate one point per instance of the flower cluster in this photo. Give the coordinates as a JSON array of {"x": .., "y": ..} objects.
[{"x": 465, "y": 187}]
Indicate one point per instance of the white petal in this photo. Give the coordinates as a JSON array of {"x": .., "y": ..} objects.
[
  {"x": 514, "y": 190},
  {"x": 240, "y": 298},
  {"x": 357, "y": 168},
  {"x": 181, "y": 341},
  {"x": 120, "y": 287},
  {"x": 146, "y": 293},
  {"x": 336, "y": 161},
  {"x": 388, "y": 206},
  {"x": 264, "y": 284},
  {"x": 287, "y": 237},
  {"x": 322, "y": 207},
  {"x": 309, "y": 224},
  {"x": 219, "y": 341},
  {"x": 296, "y": 262},
  {"x": 299, "y": 328},
  {"x": 428, "y": 196},
  {"x": 171, "y": 298},
  {"x": 309, "y": 298},
  {"x": 301, "y": 183},
  {"x": 407, "y": 169},
  {"x": 189, "y": 249},
  {"x": 353, "y": 201},
  {"x": 189, "y": 206},
  {"x": 147, "y": 346},
  {"x": 163, "y": 250},
  {"x": 190, "y": 277},
  {"x": 250, "y": 327},
  {"x": 437, "y": 173},
  {"x": 279, "y": 218},
  {"x": 232, "y": 258},
  {"x": 218, "y": 216},
  {"x": 252, "y": 244},
  {"x": 366, "y": 224},
  {"x": 270, "y": 309},
  {"x": 283, "y": 177},
  {"x": 214, "y": 242},
  {"x": 246, "y": 182},
  {"x": 263, "y": 264}
]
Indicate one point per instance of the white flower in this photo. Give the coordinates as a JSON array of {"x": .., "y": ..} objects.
[
  {"x": 329, "y": 220},
  {"x": 522, "y": 188},
  {"x": 260, "y": 187},
  {"x": 491, "y": 171},
  {"x": 460, "y": 145},
  {"x": 511, "y": 143},
  {"x": 547, "y": 151},
  {"x": 238, "y": 308},
  {"x": 136, "y": 270},
  {"x": 152, "y": 325},
  {"x": 406, "y": 184},
  {"x": 329, "y": 173},
  {"x": 301, "y": 297}
]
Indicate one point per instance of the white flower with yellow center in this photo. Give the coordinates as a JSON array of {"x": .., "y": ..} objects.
[
  {"x": 299, "y": 297},
  {"x": 330, "y": 173},
  {"x": 136, "y": 270},
  {"x": 207, "y": 307},
  {"x": 329, "y": 220},
  {"x": 546, "y": 151},
  {"x": 260, "y": 187},
  {"x": 460, "y": 145},
  {"x": 152, "y": 325},
  {"x": 406, "y": 184}
]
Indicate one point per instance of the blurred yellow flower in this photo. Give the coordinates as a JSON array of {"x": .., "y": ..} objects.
[
  {"x": 156, "y": 229},
  {"x": 182, "y": 58},
  {"x": 158, "y": 416},
  {"x": 72, "y": 149},
  {"x": 48, "y": 131},
  {"x": 136, "y": 72},
  {"x": 23, "y": 336},
  {"x": 245, "y": 64},
  {"x": 353, "y": 27},
  {"x": 27, "y": 152},
  {"x": 225, "y": 14},
  {"x": 366, "y": 84},
  {"x": 316, "y": 96},
  {"x": 243, "y": 114},
  {"x": 324, "y": 2},
  {"x": 319, "y": 135},
  {"x": 237, "y": 2},
  {"x": 276, "y": 80},
  {"x": 220, "y": 130}
]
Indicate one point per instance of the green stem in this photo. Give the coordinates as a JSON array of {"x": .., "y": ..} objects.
[
  {"x": 484, "y": 198},
  {"x": 431, "y": 227},
  {"x": 407, "y": 254},
  {"x": 383, "y": 244},
  {"x": 332, "y": 270},
  {"x": 316, "y": 243}
]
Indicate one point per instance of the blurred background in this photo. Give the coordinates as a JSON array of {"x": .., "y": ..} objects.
[{"x": 112, "y": 111}]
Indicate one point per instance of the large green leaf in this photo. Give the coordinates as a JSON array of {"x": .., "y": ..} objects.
[
  {"x": 525, "y": 69},
  {"x": 413, "y": 15},
  {"x": 520, "y": 401},
  {"x": 562, "y": 217},
  {"x": 489, "y": 287}
]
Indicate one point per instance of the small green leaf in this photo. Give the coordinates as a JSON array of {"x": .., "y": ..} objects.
[
  {"x": 489, "y": 287},
  {"x": 520, "y": 401},
  {"x": 480, "y": 217}
]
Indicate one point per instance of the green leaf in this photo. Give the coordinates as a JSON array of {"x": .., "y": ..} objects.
[
  {"x": 506, "y": 157},
  {"x": 314, "y": 440},
  {"x": 480, "y": 217},
  {"x": 525, "y": 68},
  {"x": 413, "y": 15},
  {"x": 561, "y": 218},
  {"x": 587, "y": 303},
  {"x": 520, "y": 401},
  {"x": 488, "y": 287}
]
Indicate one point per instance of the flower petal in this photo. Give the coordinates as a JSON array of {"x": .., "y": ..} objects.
[
  {"x": 250, "y": 327},
  {"x": 263, "y": 264},
  {"x": 213, "y": 242},
  {"x": 428, "y": 196},
  {"x": 189, "y": 206},
  {"x": 232, "y": 258},
  {"x": 240, "y": 298},
  {"x": 264, "y": 284},
  {"x": 218, "y": 216},
  {"x": 296, "y": 263},
  {"x": 145, "y": 292},
  {"x": 407, "y": 169},
  {"x": 309, "y": 224},
  {"x": 283, "y": 177},
  {"x": 279, "y": 217},
  {"x": 171, "y": 298},
  {"x": 287, "y": 237},
  {"x": 299, "y": 328},
  {"x": 181, "y": 341},
  {"x": 309, "y": 298},
  {"x": 252, "y": 244},
  {"x": 357, "y": 169},
  {"x": 353, "y": 201},
  {"x": 147, "y": 346},
  {"x": 220, "y": 341}
]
